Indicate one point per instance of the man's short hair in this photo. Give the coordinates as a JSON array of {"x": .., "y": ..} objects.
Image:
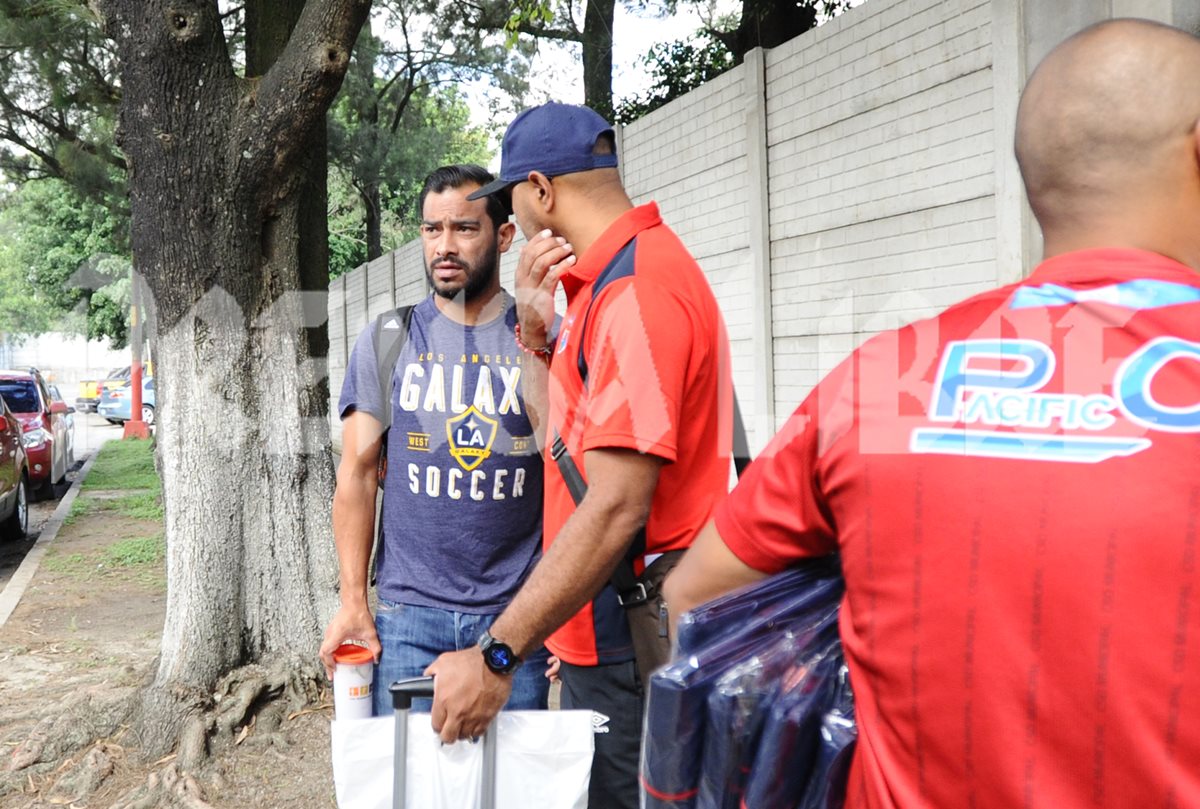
[{"x": 457, "y": 176}]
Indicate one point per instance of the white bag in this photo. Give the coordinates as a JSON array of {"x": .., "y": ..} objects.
[{"x": 543, "y": 760}]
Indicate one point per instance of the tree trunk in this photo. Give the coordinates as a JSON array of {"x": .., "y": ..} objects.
[
  {"x": 228, "y": 233},
  {"x": 373, "y": 204},
  {"x": 597, "y": 56}
]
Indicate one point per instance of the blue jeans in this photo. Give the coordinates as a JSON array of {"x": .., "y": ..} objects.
[{"x": 413, "y": 637}]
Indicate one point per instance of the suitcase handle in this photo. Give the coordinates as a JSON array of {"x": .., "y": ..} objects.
[{"x": 405, "y": 691}]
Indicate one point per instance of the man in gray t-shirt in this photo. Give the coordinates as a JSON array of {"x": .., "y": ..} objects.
[{"x": 462, "y": 498}]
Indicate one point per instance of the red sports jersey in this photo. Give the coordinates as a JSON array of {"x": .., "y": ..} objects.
[
  {"x": 1014, "y": 490},
  {"x": 643, "y": 326}
]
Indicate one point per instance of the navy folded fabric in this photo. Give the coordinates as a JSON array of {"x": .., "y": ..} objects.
[
  {"x": 737, "y": 710},
  {"x": 729, "y": 613},
  {"x": 788, "y": 750},
  {"x": 677, "y": 706},
  {"x": 839, "y": 735}
]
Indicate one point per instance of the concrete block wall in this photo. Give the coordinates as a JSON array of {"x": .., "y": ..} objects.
[
  {"x": 880, "y": 141},
  {"x": 691, "y": 158}
]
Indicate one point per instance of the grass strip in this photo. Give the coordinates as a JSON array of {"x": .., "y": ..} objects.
[{"x": 126, "y": 464}]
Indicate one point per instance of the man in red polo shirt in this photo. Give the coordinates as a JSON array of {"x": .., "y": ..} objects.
[
  {"x": 639, "y": 391},
  {"x": 1013, "y": 485}
]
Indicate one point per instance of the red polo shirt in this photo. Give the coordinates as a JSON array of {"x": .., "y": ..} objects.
[
  {"x": 1014, "y": 488},
  {"x": 643, "y": 325}
]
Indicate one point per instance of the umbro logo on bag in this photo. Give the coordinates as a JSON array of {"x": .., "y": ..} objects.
[
  {"x": 392, "y": 324},
  {"x": 599, "y": 722}
]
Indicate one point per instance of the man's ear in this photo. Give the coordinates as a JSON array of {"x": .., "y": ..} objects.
[
  {"x": 543, "y": 191},
  {"x": 504, "y": 236}
]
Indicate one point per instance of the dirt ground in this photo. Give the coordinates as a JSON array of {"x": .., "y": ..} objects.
[{"x": 88, "y": 627}]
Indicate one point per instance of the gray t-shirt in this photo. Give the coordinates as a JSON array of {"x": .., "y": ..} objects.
[{"x": 462, "y": 503}]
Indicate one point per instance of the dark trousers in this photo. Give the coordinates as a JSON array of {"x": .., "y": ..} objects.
[{"x": 614, "y": 692}]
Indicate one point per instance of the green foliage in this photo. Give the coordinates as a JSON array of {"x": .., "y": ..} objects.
[
  {"x": 58, "y": 98},
  {"x": 23, "y": 311},
  {"x": 61, "y": 257},
  {"x": 676, "y": 68},
  {"x": 524, "y": 16},
  {"x": 125, "y": 464}
]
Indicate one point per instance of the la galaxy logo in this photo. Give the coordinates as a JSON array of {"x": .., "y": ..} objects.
[{"x": 471, "y": 435}]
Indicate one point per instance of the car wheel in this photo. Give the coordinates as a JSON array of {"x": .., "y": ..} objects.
[
  {"x": 148, "y": 414},
  {"x": 17, "y": 524}
]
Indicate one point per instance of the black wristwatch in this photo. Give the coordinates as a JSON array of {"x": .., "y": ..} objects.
[{"x": 498, "y": 656}]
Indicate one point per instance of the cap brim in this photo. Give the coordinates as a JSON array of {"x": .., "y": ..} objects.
[{"x": 494, "y": 187}]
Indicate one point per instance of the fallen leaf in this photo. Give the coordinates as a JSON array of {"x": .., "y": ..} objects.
[{"x": 242, "y": 736}]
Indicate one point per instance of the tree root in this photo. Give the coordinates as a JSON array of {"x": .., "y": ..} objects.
[
  {"x": 83, "y": 778},
  {"x": 80, "y": 723},
  {"x": 166, "y": 789},
  {"x": 252, "y": 701},
  {"x": 249, "y": 706}
]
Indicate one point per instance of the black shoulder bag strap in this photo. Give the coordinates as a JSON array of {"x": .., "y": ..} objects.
[
  {"x": 630, "y": 591},
  {"x": 388, "y": 338}
]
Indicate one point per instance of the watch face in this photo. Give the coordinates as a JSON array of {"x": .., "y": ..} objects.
[{"x": 499, "y": 656}]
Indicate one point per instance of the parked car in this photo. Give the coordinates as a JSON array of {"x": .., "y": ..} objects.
[
  {"x": 43, "y": 427},
  {"x": 14, "y": 477},
  {"x": 56, "y": 396},
  {"x": 90, "y": 390},
  {"x": 116, "y": 404}
]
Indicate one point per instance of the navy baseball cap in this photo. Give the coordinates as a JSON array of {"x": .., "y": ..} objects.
[{"x": 554, "y": 139}]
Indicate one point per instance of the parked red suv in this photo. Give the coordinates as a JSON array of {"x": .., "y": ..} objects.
[
  {"x": 14, "y": 478},
  {"x": 43, "y": 427}
]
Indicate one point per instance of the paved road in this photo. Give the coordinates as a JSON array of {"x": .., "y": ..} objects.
[{"x": 91, "y": 432}]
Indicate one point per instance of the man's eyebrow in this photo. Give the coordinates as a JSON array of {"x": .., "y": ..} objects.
[{"x": 436, "y": 222}]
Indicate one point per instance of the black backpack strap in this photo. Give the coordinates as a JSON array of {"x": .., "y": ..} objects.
[
  {"x": 388, "y": 338},
  {"x": 741, "y": 445}
]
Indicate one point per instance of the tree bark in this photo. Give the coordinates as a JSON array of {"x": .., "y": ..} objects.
[
  {"x": 228, "y": 233},
  {"x": 597, "y": 56},
  {"x": 373, "y": 204}
]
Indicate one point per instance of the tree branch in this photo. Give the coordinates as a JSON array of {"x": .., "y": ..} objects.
[
  {"x": 294, "y": 95},
  {"x": 48, "y": 160},
  {"x": 549, "y": 33}
]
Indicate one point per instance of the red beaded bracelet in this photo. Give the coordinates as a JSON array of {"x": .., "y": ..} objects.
[{"x": 544, "y": 353}]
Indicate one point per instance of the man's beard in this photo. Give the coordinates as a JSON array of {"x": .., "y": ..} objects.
[{"x": 478, "y": 278}]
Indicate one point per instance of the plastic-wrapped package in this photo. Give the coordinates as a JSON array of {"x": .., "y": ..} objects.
[
  {"x": 839, "y": 735},
  {"x": 729, "y": 613},
  {"x": 676, "y": 711},
  {"x": 788, "y": 751},
  {"x": 737, "y": 709}
]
